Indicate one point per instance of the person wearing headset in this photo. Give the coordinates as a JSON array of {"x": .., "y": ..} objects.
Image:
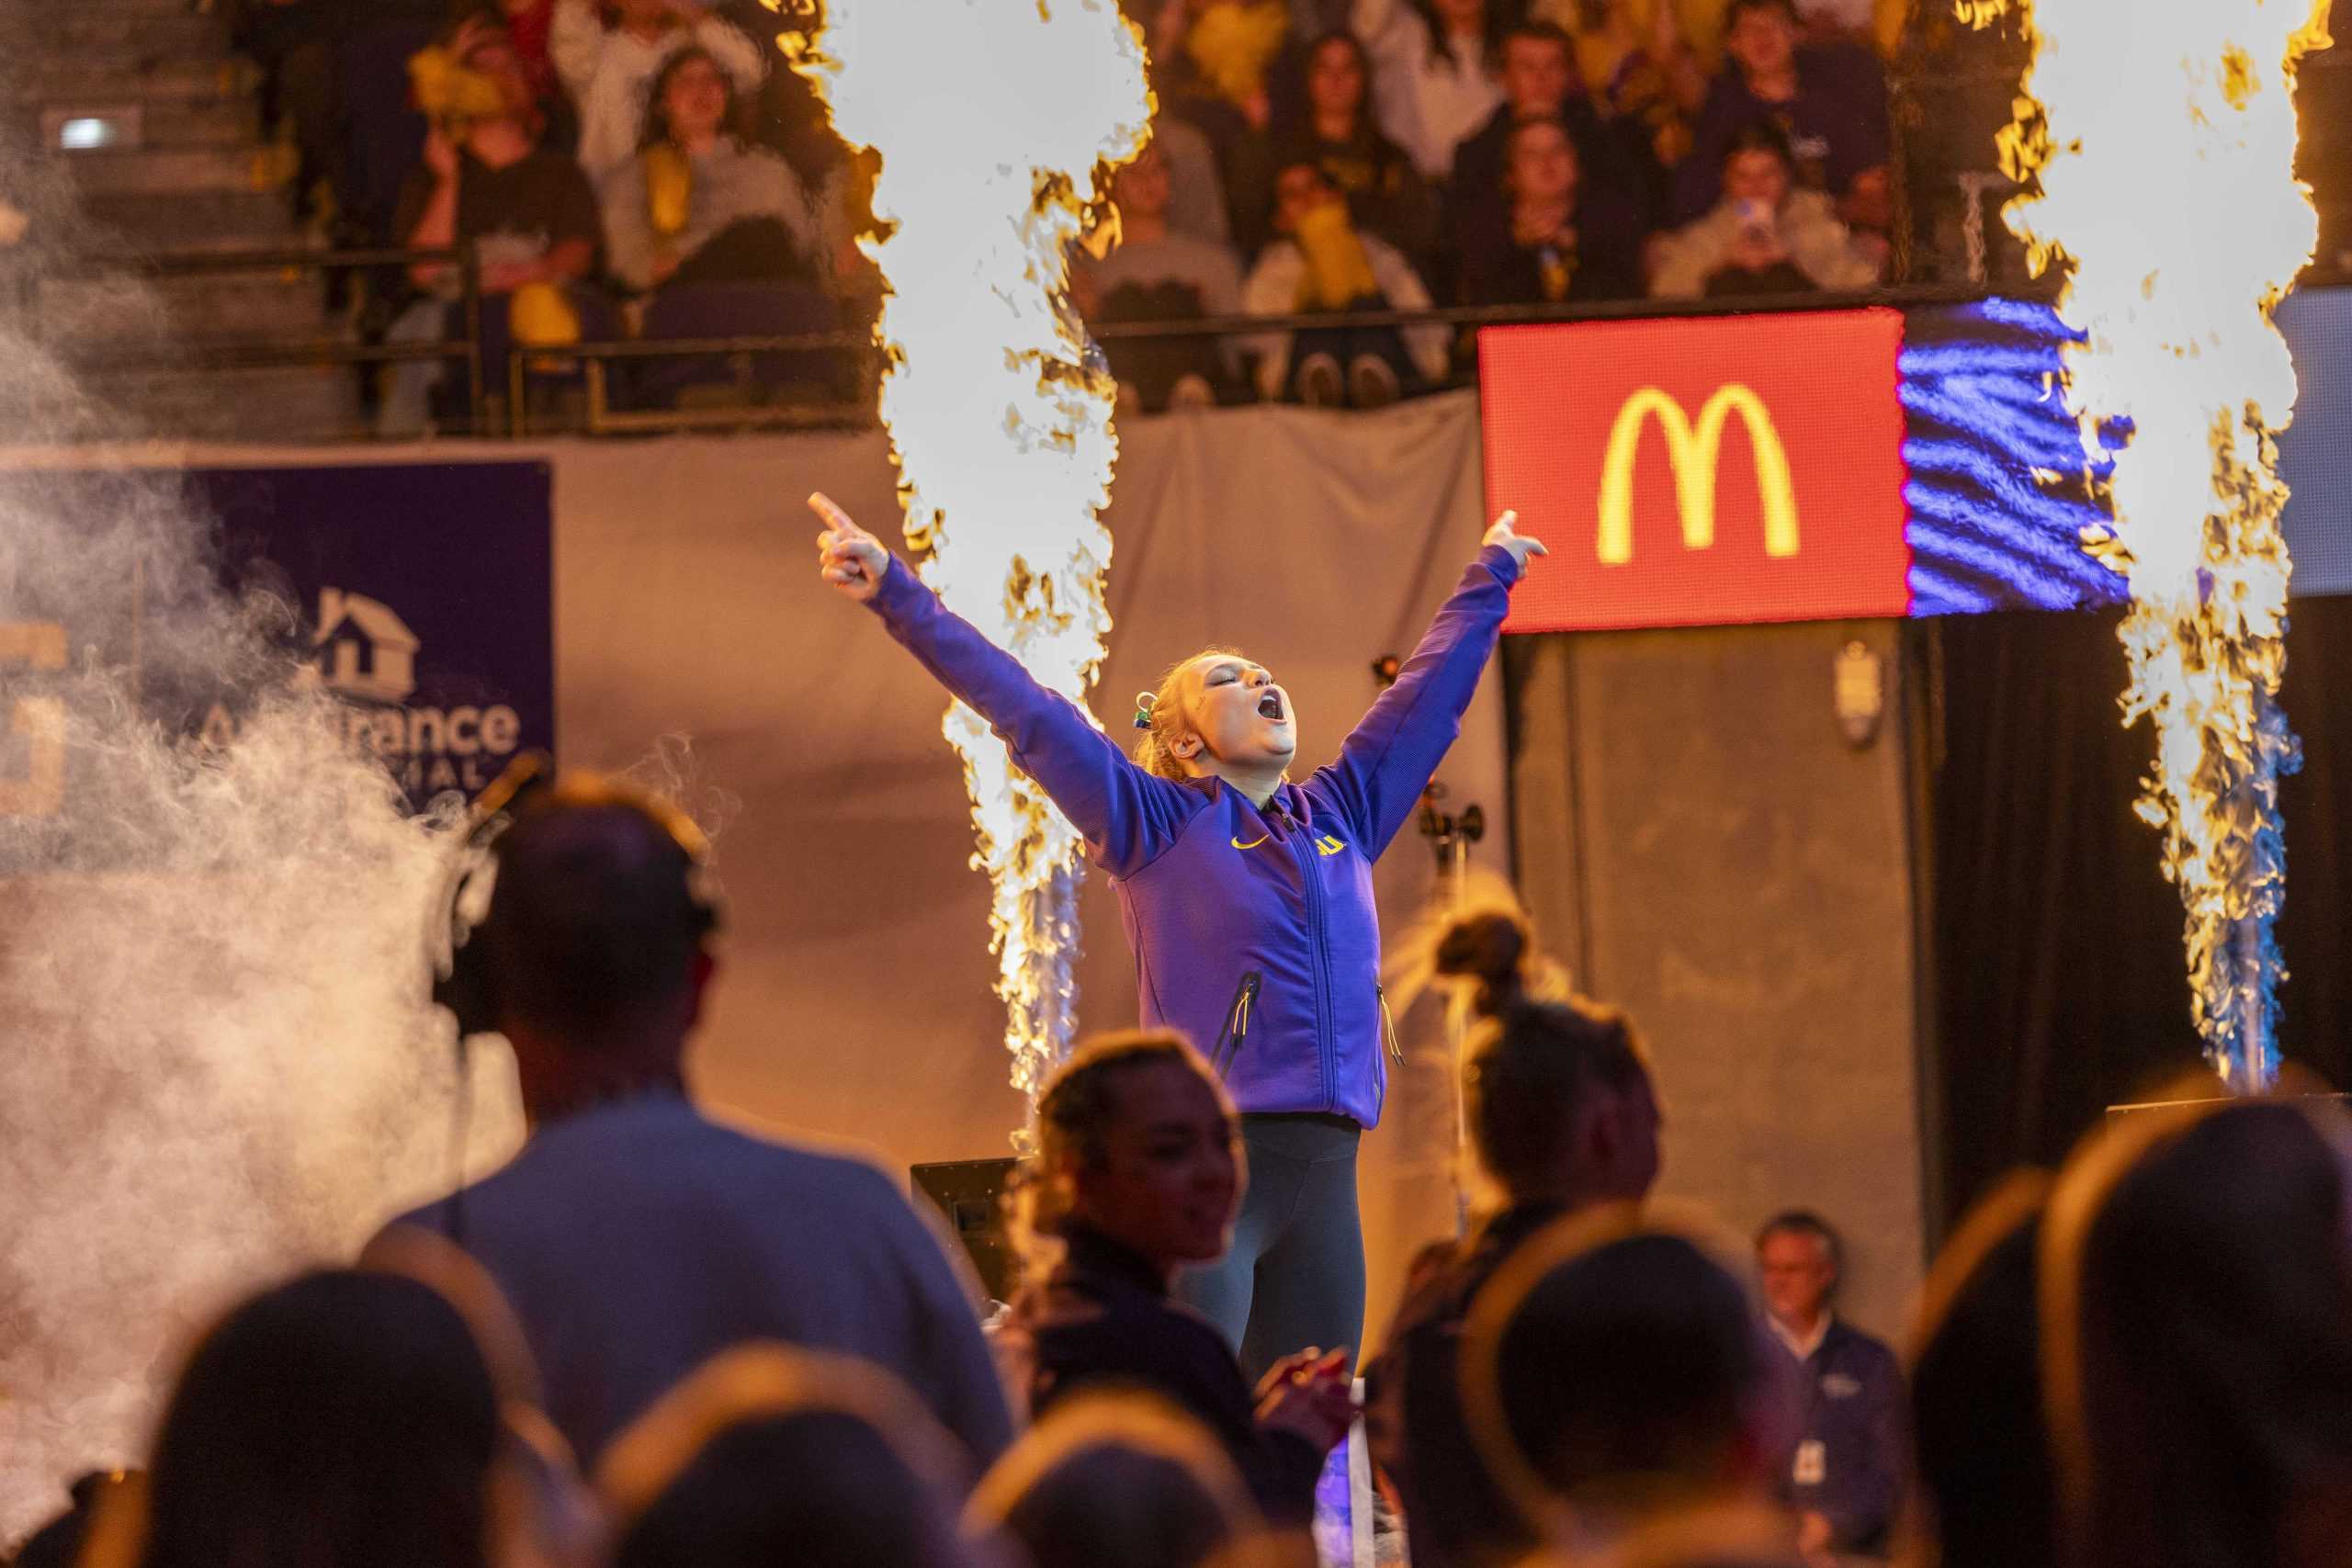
[{"x": 635, "y": 1237}]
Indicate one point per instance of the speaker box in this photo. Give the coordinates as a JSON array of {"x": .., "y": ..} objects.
[{"x": 970, "y": 1194}]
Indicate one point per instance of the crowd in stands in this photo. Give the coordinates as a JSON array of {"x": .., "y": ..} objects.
[
  {"x": 1311, "y": 157},
  {"x": 652, "y": 1339}
]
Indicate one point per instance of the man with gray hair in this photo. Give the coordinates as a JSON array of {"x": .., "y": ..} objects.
[{"x": 1844, "y": 1476}]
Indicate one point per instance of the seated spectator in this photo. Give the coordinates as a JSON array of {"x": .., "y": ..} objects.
[
  {"x": 1321, "y": 264},
  {"x": 1213, "y": 64},
  {"x": 1612, "y": 1378},
  {"x": 1539, "y": 83},
  {"x": 1637, "y": 66},
  {"x": 1436, "y": 68},
  {"x": 1829, "y": 103},
  {"x": 343, "y": 1419},
  {"x": 1537, "y": 251},
  {"x": 2197, "y": 1349},
  {"x": 635, "y": 1238},
  {"x": 1116, "y": 1478},
  {"x": 1987, "y": 1498},
  {"x": 1156, "y": 275},
  {"x": 1335, "y": 130},
  {"x": 767, "y": 1456},
  {"x": 488, "y": 182},
  {"x": 1562, "y": 1120},
  {"x": 1764, "y": 237},
  {"x": 1135, "y": 1175},
  {"x": 1844, "y": 1474},
  {"x": 697, "y": 204},
  {"x": 719, "y": 235},
  {"x": 607, "y": 69}
]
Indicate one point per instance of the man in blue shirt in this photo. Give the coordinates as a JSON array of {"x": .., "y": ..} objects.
[
  {"x": 1844, "y": 1476},
  {"x": 635, "y": 1236}
]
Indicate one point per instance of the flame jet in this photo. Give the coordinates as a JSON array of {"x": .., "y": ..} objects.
[
  {"x": 994, "y": 121},
  {"x": 2161, "y": 141}
]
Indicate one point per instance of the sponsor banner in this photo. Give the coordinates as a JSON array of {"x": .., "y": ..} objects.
[
  {"x": 427, "y": 592},
  {"x": 1699, "y": 470},
  {"x": 1836, "y": 465},
  {"x": 421, "y": 594}
]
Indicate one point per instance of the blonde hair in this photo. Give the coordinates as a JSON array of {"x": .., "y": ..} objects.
[
  {"x": 1073, "y": 1110},
  {"x": 1169, "y": 717}
]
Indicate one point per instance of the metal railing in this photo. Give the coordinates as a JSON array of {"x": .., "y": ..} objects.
[{"x": 597, "y": 368}]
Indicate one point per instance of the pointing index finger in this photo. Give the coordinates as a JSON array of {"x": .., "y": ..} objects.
[{"x": 834, "y": 516}]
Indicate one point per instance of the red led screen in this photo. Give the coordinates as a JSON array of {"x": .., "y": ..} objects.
[{"x": 1701, "y": 471}]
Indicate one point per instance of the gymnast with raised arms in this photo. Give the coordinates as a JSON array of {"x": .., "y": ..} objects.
[{"x": 1247, "y": 897}]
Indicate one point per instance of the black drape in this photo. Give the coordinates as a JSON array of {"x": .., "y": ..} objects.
[{"x": 2058, "y": 977}]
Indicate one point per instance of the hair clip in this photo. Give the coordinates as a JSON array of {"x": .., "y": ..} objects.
[{"x": 1144, "y": 704}]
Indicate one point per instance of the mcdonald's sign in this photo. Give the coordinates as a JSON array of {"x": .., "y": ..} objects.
[{"x": 1702, "y": 470}]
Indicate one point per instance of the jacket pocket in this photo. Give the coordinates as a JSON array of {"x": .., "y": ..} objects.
[{"x": 1236, "y": 1023}]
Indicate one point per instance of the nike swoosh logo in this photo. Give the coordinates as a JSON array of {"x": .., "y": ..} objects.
[{"x": 1251, "y": 844}]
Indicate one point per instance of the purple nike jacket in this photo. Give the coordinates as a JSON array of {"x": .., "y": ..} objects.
[{"x": 1253, "y": 932}]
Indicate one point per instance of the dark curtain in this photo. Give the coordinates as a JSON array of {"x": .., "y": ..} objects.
[{"x": 2058, "y": 977}]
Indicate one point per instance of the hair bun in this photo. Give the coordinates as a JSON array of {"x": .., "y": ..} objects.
[{"x": 1491, "y": 946}]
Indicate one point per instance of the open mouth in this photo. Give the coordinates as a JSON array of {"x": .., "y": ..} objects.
[{"x": 1271, "y": 706}]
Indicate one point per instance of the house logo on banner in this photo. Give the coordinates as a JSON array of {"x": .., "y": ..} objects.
[{"x": 367, "y": 654}]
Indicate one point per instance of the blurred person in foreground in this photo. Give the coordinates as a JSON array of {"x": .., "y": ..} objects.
[
  {"x": 1563, "y": 1120},
  {"x": 1322, "y": 265},
  {"x": 1844, "y": 1477},
  {"x": 1613, "y": 1378},
  {"x": 1765, "y": 237},
  {"x": 1985, "y": 1496},
  {"x": 767, "y": 1455},
  {"x": 343, "y": 1419},
  {"x": 1136, "y": 1175},
  {"x": 635, "y": 1237},
  {"x": 1125, "y": 1479},
  {"x": 2196, "y": 1288}
]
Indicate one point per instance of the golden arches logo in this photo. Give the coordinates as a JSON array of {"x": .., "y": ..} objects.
[{"x": 1695, "y": 452}]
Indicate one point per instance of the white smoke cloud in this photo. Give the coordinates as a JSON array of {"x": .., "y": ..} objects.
[{"x": 217, "y": 1059}]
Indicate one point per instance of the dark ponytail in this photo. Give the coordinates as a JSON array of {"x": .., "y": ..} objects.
[
  {"x": 1490, "y": 947},
  {"x": 1533, "y": 1065}
]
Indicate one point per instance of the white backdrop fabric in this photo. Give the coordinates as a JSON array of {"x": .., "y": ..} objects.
[{"x": 853, "y": 1004}]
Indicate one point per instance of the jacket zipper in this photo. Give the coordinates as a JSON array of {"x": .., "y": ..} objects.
[
  {"x": 1303, "y": 850},
  {"x": 1389, "y": 1025},
  {"x": 1236, "y": 1023}
]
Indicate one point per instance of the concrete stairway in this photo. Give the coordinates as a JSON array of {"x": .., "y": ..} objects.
[{"x": 187, "y": 170}]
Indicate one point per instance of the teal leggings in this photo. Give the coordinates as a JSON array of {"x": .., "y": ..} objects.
[{"x": 1293, "y": 1276}]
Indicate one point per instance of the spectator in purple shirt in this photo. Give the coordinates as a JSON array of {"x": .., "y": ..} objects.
[
  {"x": 1828, "y": 100},
  {"x": 1844, "y": 1477}
]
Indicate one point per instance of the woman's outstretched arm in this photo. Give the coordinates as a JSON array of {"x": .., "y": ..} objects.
[
  {"x": 1128, "y": 815},
  {"x": 1388, "y": 760}
]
